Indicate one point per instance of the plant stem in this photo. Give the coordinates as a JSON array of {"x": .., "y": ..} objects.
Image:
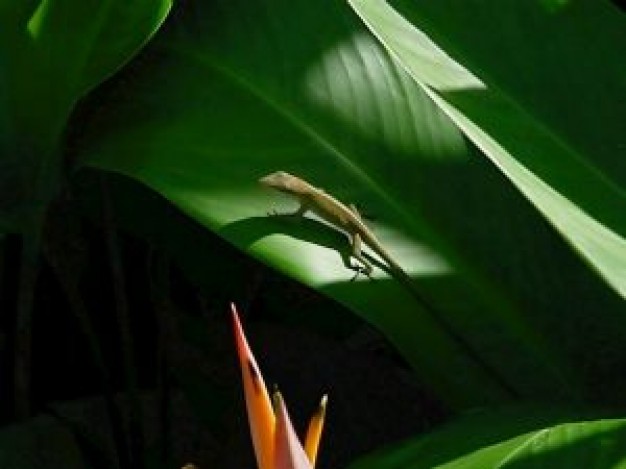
[
  {"x": 28, "y": 272},
  {"x": 4, "y": 289},
  {"x": 159, "y": 293},
  {"x": 81, "y": 314},
  {"x": 122, "y": 310}
]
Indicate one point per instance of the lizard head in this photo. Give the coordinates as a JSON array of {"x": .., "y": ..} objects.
[{"x": 282, "y": 181}]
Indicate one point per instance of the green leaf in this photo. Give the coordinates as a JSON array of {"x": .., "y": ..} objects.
[
  {"x": 39, "y": 442},
  {"x": 229, "y": 94},
  {"x": 52, "y": 53},
  {"x": 530, "y": 438},
  {"x": 545, "y": 112}
]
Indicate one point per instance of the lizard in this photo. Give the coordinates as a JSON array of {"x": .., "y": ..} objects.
[
  {"x": 347, "y": 219},
  {"x": 341, "y": 216}
]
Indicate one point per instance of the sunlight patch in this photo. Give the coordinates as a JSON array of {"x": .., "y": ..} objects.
[{"x": 34, "y": 23}]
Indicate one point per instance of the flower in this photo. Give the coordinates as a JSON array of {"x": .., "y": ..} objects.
[{"x": 276, "y": 444}]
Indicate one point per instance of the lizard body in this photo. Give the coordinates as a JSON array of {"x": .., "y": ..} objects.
[{"x": 341, "y": 216}]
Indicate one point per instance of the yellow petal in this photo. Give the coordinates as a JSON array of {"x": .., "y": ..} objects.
[
  {"x": 314, "y": 433},
  {"x": 260, "y": 413},
  {"x": 289, "y": 453}
]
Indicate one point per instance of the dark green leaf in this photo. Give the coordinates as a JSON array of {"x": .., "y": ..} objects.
[{"x": 51, "y": 53}]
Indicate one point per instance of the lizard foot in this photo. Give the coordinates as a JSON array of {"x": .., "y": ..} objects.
[
  {"x": 359, "y": 269},
  {"x": 356, "y": 274}
]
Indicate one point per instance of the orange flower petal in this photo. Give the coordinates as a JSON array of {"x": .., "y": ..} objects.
[
  {"x": 289, "y": 453},
  {"x": 260, "y": 413},
  {"x": 314, "y": 433}
]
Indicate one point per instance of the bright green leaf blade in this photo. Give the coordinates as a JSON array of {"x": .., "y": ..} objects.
[
  {"x": 565, "y": 164},
  {"x": 528, "y": 439},
  {"x": 228, "y": 96},
  {"x": 56, "y": 50},
  {"x": 83, "y": 43}
]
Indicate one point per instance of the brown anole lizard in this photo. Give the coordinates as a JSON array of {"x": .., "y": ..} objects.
[
  {"x": 347, "y": 219},
  {"x": 339, "y": 215}
]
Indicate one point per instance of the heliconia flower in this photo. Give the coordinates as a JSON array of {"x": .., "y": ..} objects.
[{"x": 276, "y": 444}]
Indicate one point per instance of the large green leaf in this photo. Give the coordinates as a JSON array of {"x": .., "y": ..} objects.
[
  {"x": 228, "y": 94},
  {"x": 530, "y": 438},
  {"x": 545, "y": 113},
  {"x": 51, "y": 53}
]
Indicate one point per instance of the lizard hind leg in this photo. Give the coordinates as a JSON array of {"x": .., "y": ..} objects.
[
  {"x": 357, "y": 253},
  {"x": 365, "y": 266}
]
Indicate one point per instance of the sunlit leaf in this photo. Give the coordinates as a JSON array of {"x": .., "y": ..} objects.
[
  {"x": 564, "y": 163},
  {"x": 526, "y": 439}
]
